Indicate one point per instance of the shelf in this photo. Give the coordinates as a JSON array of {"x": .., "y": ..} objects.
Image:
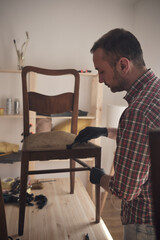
[
  {"x": 11, "y": 116},
  {"x": 67, "y": 117},
  {"x": 88, "y": 74},
  {"x": 39, "y": 116},
  {"x": 10, "y": 71}
]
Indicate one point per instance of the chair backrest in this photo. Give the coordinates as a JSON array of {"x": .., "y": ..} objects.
[{"x": 44, "y": 104}]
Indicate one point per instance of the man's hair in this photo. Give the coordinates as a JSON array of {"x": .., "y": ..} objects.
[{"x": 119, "y": 43}]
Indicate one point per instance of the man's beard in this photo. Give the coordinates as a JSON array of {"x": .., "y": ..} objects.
[{"x": 120, "y": 83}]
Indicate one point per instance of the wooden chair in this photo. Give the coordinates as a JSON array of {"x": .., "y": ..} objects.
[
  {"x": 154, "y": 141},
  {"x": 52, "y": 145},
  {"x": 3, "y": 225}
]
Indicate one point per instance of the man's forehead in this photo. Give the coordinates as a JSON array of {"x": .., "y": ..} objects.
[
  {"x": 99, "y": 53},
  {"x": 99, "y": 58}
]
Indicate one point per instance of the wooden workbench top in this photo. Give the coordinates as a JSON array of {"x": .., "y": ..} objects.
[{"x": 65, "y": 217}]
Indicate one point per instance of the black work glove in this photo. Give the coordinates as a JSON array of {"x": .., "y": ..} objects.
[
  {"x": 96, "y": 174},
  {"x": 89, "y": 133},
  {"x": 41, "y": 200}
]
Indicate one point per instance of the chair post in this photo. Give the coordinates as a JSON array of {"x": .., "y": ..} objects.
[
  {"x": 72, "y": 176},
  {"x": 23, "y": 189},
  {"x": 98, "y": 165}
]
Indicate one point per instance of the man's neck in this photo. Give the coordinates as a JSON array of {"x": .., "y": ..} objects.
[{"x": 134, "y": 74}]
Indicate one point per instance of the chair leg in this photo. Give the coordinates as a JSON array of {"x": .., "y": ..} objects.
[
  {"x": 72, "y": 176},
  {"x": 98, "y": 201},
  {"x": 23, "y": 188}
]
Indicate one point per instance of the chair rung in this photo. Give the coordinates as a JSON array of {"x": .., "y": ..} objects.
[
  {"x": 82, "y": 163},
  {"x": 57, "y": 170}
]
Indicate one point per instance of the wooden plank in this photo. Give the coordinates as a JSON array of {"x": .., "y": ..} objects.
[{"x": 66, "y": 216}]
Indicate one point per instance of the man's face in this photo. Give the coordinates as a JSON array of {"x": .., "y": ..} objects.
[{"x": 107, "y": 74}]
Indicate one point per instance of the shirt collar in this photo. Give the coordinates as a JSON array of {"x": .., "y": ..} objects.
[{"x": 138, "y": 85}]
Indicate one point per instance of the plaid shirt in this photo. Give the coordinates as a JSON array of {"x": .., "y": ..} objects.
[{"x": 132, "y": 179}]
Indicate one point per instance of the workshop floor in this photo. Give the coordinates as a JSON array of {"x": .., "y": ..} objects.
[{"x": 66, "y": 216}]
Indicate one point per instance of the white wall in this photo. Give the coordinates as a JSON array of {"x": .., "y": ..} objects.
[
  {"x": 61, "y": 32},
  {"x": 147, "y": 29}
]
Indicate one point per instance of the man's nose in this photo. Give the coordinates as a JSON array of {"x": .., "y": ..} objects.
[{"x": 100, "y": 79}]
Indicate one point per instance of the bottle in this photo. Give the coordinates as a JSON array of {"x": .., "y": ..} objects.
[
  {"x": 16, "y": 106},
  {"x": 9, "y": 106}
]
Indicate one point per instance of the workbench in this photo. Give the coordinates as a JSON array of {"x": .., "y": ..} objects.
[{"x": 65, "y": 217}]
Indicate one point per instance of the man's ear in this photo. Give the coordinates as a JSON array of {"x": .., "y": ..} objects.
[{"x": 123, "y": 65}]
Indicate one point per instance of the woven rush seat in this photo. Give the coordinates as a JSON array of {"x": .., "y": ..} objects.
[
  {"x": 52, "y": 140},
  {"x": 48, "y": 141}
]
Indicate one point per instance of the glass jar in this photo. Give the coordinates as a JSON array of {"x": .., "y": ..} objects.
[
  {"x": 16, "y": 106},
  {"x": 9, "y": 106}
]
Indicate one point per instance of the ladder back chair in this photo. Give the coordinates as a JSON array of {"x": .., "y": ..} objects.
[{"x": 44, "y": 146}]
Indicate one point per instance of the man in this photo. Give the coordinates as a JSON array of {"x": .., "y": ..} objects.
[{"x": 118, "y": 58}]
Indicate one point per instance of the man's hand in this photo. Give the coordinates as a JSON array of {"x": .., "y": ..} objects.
[
  {"x": 96, "y": 174},
  {"x": 89, "y": 133}
]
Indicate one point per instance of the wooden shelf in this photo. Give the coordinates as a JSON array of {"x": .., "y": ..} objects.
[
  {"x": 11, "y": 116},
  {"x": 39, "y": 116},
  {"x": 88, "y": 74},
  {"x": 67, "y": 117},
  {"x": 10, "y": 71},
  {"x": 96, "y": 98}
]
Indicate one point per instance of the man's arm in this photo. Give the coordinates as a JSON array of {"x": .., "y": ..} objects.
[
  {"x": 98, "y": 176},
  {"x": 104, "y": 182},
  {"x": 131, "y": 156},
  {"x": 112, "y": 133}
]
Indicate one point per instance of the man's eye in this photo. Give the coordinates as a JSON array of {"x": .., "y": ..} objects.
[{"x": 101, "y": 72}]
